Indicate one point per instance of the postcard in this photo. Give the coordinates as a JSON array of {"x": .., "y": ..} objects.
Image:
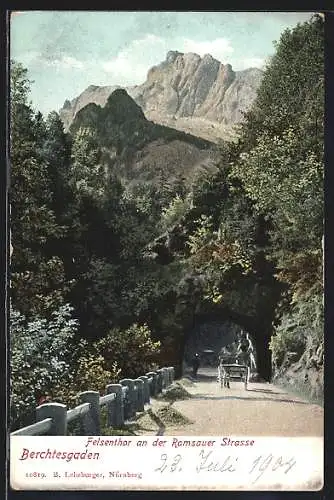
[{"x": 166, "y": 250}]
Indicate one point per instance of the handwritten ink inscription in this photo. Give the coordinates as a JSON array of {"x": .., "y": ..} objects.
[
  {"x": 208, "y": 461},
  {"x": 170, "y": 465},
  {"x": 269, "y": 462}
]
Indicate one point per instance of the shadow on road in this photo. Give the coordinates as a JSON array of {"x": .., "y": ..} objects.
[
  {"x": 201, "y": 377},
  {"x": 275, "y": 400},
  {"x": 266, "y": 391}
]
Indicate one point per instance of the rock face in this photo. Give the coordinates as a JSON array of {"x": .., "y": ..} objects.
[
  {"x": 197, "y": 95},
  {"x": 305, "y": 374},
  {"x": 186, "y": 85}
]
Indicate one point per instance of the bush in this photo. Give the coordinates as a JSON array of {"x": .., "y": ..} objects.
[
  {"x": 88, "y": 374},
  {"x": 40, "y": 352},
  {"x": 133, "y": 349}
]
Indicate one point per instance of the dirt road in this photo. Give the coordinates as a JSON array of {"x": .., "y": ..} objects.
[{"x": 262, "y": 410}]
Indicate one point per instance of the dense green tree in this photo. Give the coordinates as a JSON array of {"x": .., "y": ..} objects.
[
  {"x": 291, "y": 91},
  {"x": 281, "y": 153},
  {"x": 37, "y": 279}
]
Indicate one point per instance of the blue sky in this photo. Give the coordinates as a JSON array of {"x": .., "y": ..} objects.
[{"x": 66, "y": 51}]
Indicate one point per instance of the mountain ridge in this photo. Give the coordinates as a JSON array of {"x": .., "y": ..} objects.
[
  {"x": 194, "y": 94},
  {"x": 137, "y": 150}
]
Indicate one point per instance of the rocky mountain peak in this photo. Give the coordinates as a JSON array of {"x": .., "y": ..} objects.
[
  {"x": 122, "y": 107},
  {"x": 208, "y": 57},
  {"x": 172, "y": 55},
  {"x": 195, "y": 94}
]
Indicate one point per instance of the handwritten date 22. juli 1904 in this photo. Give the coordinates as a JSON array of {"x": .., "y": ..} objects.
[{"x": 208, "y": 462}]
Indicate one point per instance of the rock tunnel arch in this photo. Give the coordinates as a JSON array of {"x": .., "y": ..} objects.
[
  {"x": 213, "y": 330},
  {"x": 191, "y": 310}
]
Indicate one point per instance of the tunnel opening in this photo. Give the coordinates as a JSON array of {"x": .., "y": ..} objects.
[{"x": 210, "y": 332}]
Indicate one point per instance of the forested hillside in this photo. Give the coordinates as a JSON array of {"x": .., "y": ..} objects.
[{"x": 125, "y": 233}]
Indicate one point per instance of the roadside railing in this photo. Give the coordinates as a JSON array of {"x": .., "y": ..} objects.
[{"x": 122, "y": 402}]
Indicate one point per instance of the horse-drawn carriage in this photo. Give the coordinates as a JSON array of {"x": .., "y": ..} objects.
[{"x": 232, "y": 368}]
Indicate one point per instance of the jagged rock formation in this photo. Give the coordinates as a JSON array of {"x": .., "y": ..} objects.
[
  {"x": 186, "y": 85},
  {"x": 197, "y": 95}
]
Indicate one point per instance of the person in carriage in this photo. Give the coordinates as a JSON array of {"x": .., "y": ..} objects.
[
  {"x": 226, "y": 355},
  {"x": 245, "y": 352}
]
